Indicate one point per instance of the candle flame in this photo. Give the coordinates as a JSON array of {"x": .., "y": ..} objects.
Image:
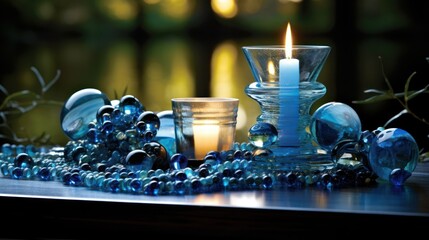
[
  {"x": 288, "y": 42},
  {"x": 271, "y": 68}
]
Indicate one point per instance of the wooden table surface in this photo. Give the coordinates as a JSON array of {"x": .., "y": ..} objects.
[{"x": 52, "y": 210}]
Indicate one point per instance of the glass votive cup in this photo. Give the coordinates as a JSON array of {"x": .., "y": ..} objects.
[{"x": 204, "y": 124}]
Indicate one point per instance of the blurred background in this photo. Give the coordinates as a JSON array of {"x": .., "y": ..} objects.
[{"x": 160, "y": 49}]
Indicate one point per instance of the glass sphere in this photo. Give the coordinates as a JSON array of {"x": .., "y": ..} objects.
[
  {"x": 334, "y": 122},
  {"x": 393, "y": 148},
  {"x": 81, "y": 109},
  {"x": 262, "y": 134}
]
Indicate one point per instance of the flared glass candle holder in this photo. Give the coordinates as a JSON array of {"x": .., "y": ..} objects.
[{"x": 288, "y": 107}]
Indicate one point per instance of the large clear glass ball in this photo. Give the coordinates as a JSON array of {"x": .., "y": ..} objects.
[
  {"x": 81, "y": 109},
  {"x": 391, "y": 149},
  {"x": 335, "y": 122}
]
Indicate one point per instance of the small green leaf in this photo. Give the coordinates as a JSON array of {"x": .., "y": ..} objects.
[
  {"x": 39, "y": 77},
  {"x": 16, "y": 96},
  {"x": 371, "y": 90},
  {"x": 407, "y": 85},
  {"x": 373, "y": 99},
  {"x": 52, "y": 82},
  {"x": 416, "y": 93}
]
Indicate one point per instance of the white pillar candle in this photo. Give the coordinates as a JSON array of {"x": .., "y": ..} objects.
[{"x": 288, "y": 96}]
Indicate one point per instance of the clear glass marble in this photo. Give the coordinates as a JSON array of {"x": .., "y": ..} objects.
[
  {"x": 278, "y": 102},
  {"x": 262, "y": 135},
  {"x": 79, "y": 110},
  {"x": 335, "y": 122}
]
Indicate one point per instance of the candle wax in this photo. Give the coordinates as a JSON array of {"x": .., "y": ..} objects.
[
  {"x": 289, "y": 102},
  {"x": 206, "y": 138}
]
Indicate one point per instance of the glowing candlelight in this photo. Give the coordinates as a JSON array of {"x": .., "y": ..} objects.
[
  {"x": 288, "y": 96},
  {"x": 289, "y": 67},
  {"x": 204, "y": 124},
  {"x": 206, "y": 137}
]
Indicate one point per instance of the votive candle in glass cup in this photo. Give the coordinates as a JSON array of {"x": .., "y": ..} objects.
[{"x": 204, "y": 124}]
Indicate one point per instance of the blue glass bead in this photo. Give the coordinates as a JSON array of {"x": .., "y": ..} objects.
[
  {"x": 90, "y": 181},
  {"x": 17, "y": 173},
  {"x": 141, "y": 127},
  {"x": 20, "y": 149},
  {"x": 23, "y": 160},
  {"x": 211, "y": 160},
  {"x": 104, "y": 112},
  {"x": 196, "y": 186},
  {"x": 136, "y": 185},
  {"x": 233, "y": 183},
  {"x": 180, "y": 176},
  {"x": 267, "y": 182},
  {"x": 92, "y": 135},
  {"x": 131, "y": 106},
  {"x": 7, "y": 150},
  {"x": 161, "y": 159},
  {"x": 79, "y": 110},
  {"x": 152, "y": 188},
  {"x": 114, "y": 185},
  {"x": 107, "y": 127},
  {"x": 393, "y": 148},
  {"x": 31, "y": 150},
  {"x": 178, "y": 161},
  {"x": 138, "y": 160},
  {"x": 179, "y": 187},
  {"x": 72, "y": 179},
  {"x": 398, "y": 176},
  {"x": 151, "y": 119},
  {"x": 44, "y": 174},
  {"x": 250, "y": 181},
  {"x": 27, "y": 173},
  {"x": 334, "y": 122},
  {"x": 262, "y": 134}
]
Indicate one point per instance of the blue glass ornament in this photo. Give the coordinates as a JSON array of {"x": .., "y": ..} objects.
[
  {"x": 81, "y": 109},
  {"x": 334, "y": 122},
  {"x": 262, "y": 134},
  {"x": 393, "y": 148}
]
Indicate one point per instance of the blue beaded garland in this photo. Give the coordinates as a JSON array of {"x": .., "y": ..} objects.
[{"x": 117, "y": 153}]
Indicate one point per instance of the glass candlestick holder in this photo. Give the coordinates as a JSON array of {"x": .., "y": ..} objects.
[{"x": 287, "y": 106}]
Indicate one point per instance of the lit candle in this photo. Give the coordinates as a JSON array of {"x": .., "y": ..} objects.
[
  {"x": 288, "y": 96},
  {"x": 206, "y": 137}
]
